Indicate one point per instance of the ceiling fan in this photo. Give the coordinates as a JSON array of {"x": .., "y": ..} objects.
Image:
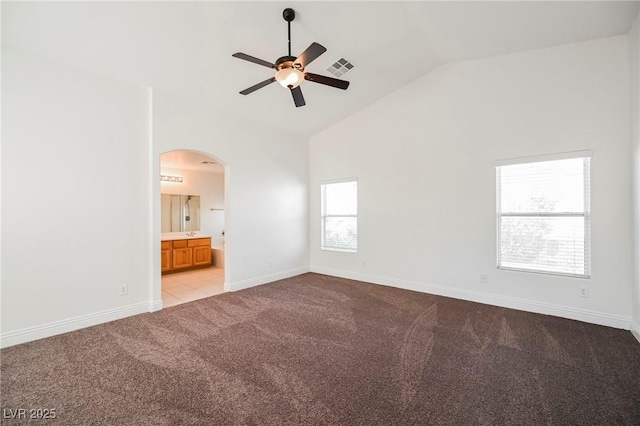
[{"x": 290, "y": 70}]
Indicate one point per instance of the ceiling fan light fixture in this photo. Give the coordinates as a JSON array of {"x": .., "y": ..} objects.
[
  {"x": 290, "y": 70},
  {"x": 289, "y": 77}
]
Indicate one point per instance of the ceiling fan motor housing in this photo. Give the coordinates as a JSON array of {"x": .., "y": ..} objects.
[{"x": 288, "y": 62}]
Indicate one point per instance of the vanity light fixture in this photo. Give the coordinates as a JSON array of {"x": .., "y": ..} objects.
[{"x": 174, "y": 179}]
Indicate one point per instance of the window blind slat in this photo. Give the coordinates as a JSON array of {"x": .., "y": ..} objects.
[
  {"x": 543, "y": 215},
  {"x": 339, "y": 216},
  {"x": 340, "y": 233}
]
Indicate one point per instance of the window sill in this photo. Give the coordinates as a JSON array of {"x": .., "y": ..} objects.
[
  {"x": 534, "y": 271},
  {"x": 339, "y": 250}
]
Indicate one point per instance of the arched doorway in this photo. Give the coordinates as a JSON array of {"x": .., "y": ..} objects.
[{"x": 192, "y": 226}]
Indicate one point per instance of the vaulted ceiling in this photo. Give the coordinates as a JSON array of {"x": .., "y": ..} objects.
[{"x": 186, "y": 47}]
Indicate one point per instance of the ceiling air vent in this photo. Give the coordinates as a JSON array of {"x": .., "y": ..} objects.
[{"x": 340, "y": 68}]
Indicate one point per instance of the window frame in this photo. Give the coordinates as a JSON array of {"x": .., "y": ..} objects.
[
  {"x": 324, "y": 216},
  {"x": 585, "y": 214}
]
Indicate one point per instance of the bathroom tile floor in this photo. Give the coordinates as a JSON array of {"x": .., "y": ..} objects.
[{"x": 181, "y": 287}]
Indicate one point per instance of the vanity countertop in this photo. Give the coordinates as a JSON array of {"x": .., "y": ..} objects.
[{"x": 171, "y": 236}]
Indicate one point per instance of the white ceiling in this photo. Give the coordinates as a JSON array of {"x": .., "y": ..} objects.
[
  {"x": 189, "y": 160},
  {"x": 186, "y": 47}
]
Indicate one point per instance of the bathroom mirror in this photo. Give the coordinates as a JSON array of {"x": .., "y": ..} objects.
[{"x": 180, "y": 213}]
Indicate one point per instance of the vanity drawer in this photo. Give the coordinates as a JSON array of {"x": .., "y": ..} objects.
[
  {"x": 179, "y": 244},
  {"x": 200, "y": 242},
  {"x": 165, "y": 245}
]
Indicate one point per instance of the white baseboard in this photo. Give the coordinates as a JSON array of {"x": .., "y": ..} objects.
[
  {"x": 29, "y": 334},
  {"x": 490, "y": 299},
  {"x": 635, "y": 330},
  {"x": 155, "y": 305},
  {"x": 71, "y": 324},
  {"x": 264, "y": 279},
  {"x": 64, "y": 326}
]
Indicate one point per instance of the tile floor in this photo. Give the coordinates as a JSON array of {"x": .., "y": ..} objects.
[{"x": 181, "y": 287}]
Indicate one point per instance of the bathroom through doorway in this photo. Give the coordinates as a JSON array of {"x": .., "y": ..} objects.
[{"x": 192, "y": 226}]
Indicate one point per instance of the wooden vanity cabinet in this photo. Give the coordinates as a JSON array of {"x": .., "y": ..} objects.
[
  {"x": 182, "y": 258},
  {"x": 166, "y": 255},
  {"x": 183, "y": 254},
  {"x": 201, "y": 251}
]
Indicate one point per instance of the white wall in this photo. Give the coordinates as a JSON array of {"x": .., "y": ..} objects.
[
  {"x": 81, "y": 196},
  {"x": 210, "y": 187},
  {"x": 425, "y": 162},
  {"x": 74, "y": 198},
  {"x": 266, "y": 181},
  {"x": 634, "y": 74}
]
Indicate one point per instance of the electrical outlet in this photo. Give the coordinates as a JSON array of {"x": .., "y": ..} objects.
[
  {"x": 123, "y": 290},
  {"x": 584, "y": 291},
  {"x": 483, "y": 278}
]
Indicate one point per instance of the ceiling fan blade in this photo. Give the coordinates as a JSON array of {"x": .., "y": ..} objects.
[
  {"x": 328, "y": 81},
  {"x": 258, "y": 86},
  {"x": 298, "y": 99},
  {"x": 253, "y": 59},
  {"x": 309, "y": 55}
]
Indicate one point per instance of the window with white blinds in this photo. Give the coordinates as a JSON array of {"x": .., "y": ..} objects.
[
  {"x": 544, "y": 216},
  {"x": 339, "y": 215}
]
